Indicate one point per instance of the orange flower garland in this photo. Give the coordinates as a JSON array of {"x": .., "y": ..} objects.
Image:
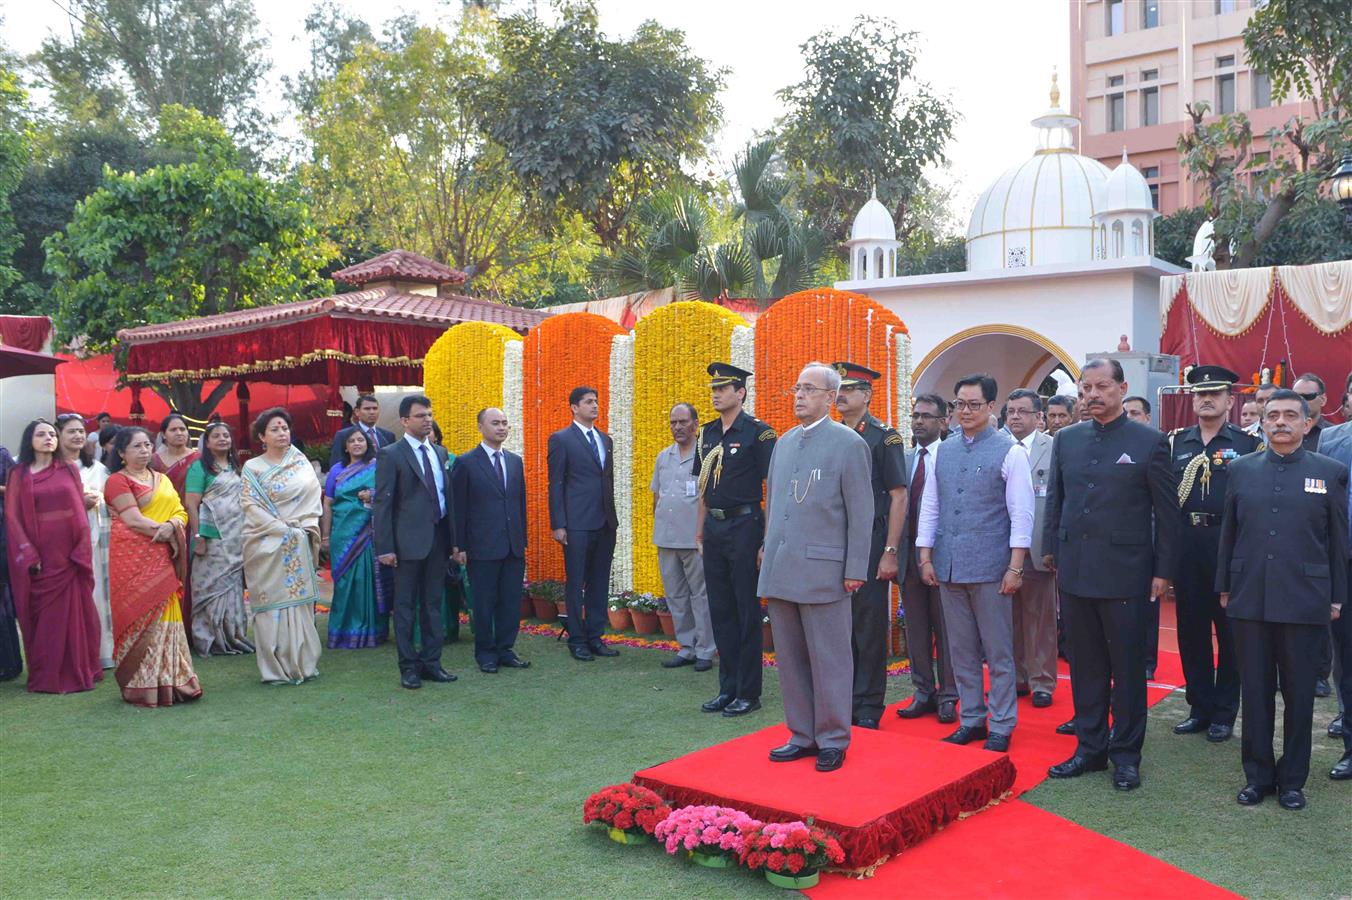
[
  {"x": 559, "y": 354},
  {"x": 463, "y": 373},
  {"x": 672, "y": 349}
]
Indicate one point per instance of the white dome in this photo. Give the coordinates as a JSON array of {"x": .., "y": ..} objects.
[
  {"x": 1126, "y": 190},
  {"x": 1039, "y": 212},
  {"x": 873, "y": 223}
]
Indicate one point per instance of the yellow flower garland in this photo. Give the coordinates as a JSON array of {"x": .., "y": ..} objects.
[
  {"x": 672, "y": 348},
  {"x": 463, "y": 373}
]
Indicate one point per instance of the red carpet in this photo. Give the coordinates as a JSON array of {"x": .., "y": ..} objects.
[
  {"x": 893, "y": 792},
  {"x": 1019, "y": 851}
]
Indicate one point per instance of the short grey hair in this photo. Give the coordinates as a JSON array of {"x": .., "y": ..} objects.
[{"x": 832, "y": 376}]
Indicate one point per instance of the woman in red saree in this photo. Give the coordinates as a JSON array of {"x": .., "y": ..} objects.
[
  {"x": 51, "y": 567},
  {"x": 146, "y": 553},
  {"x": 173, "y": 459}
]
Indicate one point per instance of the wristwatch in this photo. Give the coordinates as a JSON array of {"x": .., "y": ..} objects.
[
  {"x": 889, "y": 549},
  {"x": 1018, "y": 571}
]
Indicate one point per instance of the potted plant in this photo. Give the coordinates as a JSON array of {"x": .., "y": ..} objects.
[
  {"x": 791, "y": 854},
  {"x": 711, "y": 836},
  {"x": 643, "y": 610},
  {"x": 767, "y": 636},
  {"x": 617, "y": 610},
  {"x": 526, "y": 607},
  {"x": 664, "y": 616},
  {"x": 628, "y": 811},
  {"x": 544, "y": 597}
]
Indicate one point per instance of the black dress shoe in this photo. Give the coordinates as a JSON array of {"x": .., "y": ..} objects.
[
  {"x": 1252, "y": 795},
  {"x": 1336, "y": 726},
  {"x": 1321, "y": 689},
  {"x": 1066, "y": 727},
  {"x": 1191, "y": 725},
  {"x": 488, "y": 668},
  {"x": 1077, "y": 766},
  {"x": 718, "y": 704},
  {"x": 1218, "y": 733},
  {"x": 675, "y": 662},
  {"x": 603, "y": 650},
  {"x": 917, "y": 708},
  {"x": 741, "y": 707},
  {"x": 438, "y": 674},
  {"x": 582, "y": 653},
  {"x": 703, "y": 665},
  {"x": 1042, "y": 699},
  {"x": 790, "y": 752},
  {"x": 1021, "y": 691},
  {"x": 410, "y": 680},
  {"x": 948, "y": 713},
  {"x": 830, "y": 759},
  {"x": 997, "y": 742},
  {"x": 1342, "y": 769},
  {"x": 514, "y": 662},
  {"x": 1126, "y": 778},
  {"x": 1292, "y": 799},
  {"x": 868, "y": 723},
  {"x": 966, "y": 734}
]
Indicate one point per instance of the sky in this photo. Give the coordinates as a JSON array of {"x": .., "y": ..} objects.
[{"x": 992, "y": 58}]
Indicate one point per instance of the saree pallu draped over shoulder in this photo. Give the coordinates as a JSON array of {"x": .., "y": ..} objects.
[
  {"x": 145, "y": 586},
  {"x": 363, "y": 590},
  {"x": 219, "y": 621},
  {"x": 282, "y": 505}
]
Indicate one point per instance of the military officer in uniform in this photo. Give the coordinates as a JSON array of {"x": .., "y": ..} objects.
[
  {"x": 1282, "y": 577},
  {"x": 732, "y": 459},
  {"x": 1201, "y": 456},
  {"x": 887, "y": 454}
]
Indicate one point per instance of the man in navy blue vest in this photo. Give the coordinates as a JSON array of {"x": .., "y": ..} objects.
[
  {"x": 489, "y": 487},
  {"x": 1111, "y": 536},
  {"x": 582, "y": 517}
]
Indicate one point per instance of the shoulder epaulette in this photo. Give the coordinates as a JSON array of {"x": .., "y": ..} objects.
[
  {"x": 893, "y": 439},
  {"x": 767, "y": 435}
]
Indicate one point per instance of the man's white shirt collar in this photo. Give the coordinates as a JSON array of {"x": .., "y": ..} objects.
[{"x": 816, "y": 423}]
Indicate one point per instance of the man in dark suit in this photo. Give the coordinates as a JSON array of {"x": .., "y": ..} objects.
[
  {"x": 415, "y": 535},
  {"x": 1109, "y": 476},
  {"x": 1282, "y": 576},
  {"x": 1336, "y": 442},
  {"x": 366, "y": 413},
  {"x": 489, "y": 487},
  {"x": 582, "y": 517}
]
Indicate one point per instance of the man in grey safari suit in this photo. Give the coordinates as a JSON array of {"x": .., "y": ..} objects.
[{"x": 819, "y": 524}]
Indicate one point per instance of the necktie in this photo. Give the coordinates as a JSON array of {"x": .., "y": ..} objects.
[
  {"x": 917, "y": 488},
  {"x": 596, "y": 449},
  {"x": 429, "y": 480},
  {"x": 372, "y": 438},
  {"x": 497, "y": 464}
]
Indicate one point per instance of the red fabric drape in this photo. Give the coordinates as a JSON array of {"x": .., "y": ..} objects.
[
  {"x": 25, "y": 332},
  {"x": 393, "y": 345},
  {"x": 1287, "y": 334}
]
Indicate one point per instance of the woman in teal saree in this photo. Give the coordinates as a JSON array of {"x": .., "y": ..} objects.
[{"x": 363, "y": 590}]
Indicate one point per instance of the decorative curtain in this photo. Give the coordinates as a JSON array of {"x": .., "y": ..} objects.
[{"x": 25, "y": 332}]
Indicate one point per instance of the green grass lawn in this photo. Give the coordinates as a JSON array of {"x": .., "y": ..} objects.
[{"x": 351, "y": 786}]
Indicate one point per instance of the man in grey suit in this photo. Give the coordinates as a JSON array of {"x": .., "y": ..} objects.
[
  {"x": 1035, "y": 601},
  {"x": 819, "y": 515}
]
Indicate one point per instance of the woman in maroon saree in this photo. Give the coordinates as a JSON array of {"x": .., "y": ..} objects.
[{"x": 51, "y": 567}]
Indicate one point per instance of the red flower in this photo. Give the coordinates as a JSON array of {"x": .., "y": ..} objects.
[
  {"x": 775, "y": 862},
  {"x": 796, "y": 862}
]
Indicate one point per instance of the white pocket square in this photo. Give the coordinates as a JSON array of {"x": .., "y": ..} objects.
[{"x": 1125, "y": 460}]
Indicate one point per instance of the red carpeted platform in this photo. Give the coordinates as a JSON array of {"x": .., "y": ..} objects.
[
  {"x": 894, "y": 790},
  {"x": 1016, "y": 850}
]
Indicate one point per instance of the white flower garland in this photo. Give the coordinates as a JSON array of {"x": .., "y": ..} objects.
[
  {"x": 744, "y": 357},
  {"x": 621, "y": 422},
  {"x": 903, "y": 425},
  {"x": 513, "y": 394}
]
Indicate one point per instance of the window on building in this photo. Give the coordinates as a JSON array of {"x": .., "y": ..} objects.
[
  {"x": 1116, "y": 20},
  {"x": 1155, "y": 197},
  {"x": 1225, "y": 94},
  {"x": 1225, "y": 6},
  {"x": 1150, "y": 106},
  {"x": 1262, "y": 90},
  {"x": 1116, "y": 105},
  {"x": 1225, "y": 62},
  {"x": 1151, "y": 174},
  {"x": 1150, "y": 14},
  {"x": 1150, "y": 74}
]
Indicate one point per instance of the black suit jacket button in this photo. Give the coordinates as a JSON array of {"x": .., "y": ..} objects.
[{"x": 1272, "y": 533}]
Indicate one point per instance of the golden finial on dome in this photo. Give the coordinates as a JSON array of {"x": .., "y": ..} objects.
[{"x": 1056, "y": 91}]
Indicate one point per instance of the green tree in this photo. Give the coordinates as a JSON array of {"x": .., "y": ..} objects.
[
  {"x": 398, "y": 160},
  {"x": 861, "y": 118},
  {"x": 149, "y": 54},
  {"x": 335, "y": 37},
  {"x": 15, "y": 140},
  {"x": 594, "y": 124},
  {"x": 1305, "y": 48},
  {"x": 176, "y": 241},
  {"x": 1175, "y": 232}
]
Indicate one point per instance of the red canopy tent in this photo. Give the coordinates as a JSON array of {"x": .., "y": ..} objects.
[{"x": 375, "y": 335}]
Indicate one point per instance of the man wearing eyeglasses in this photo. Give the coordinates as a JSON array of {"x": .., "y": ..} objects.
[{"x": 972, "y": 540}]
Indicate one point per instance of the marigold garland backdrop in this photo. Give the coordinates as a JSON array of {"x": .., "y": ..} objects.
[
  {"x": 463, "y": 372},
  {"x": 672, "y": 350},
  {"x": 559, "y": 354}
]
